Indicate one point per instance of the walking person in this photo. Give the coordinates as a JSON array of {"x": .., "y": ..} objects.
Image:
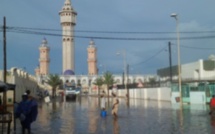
[
  {"x": 33, "y": 105},
  {"x": 102, "y": 105},
  {"x": 1, "y": 106},
  {"x": 103, "y": 102},
  {"x": 23, "y": 112},
  {"x": 115, "y": 105},
  {"x": 212, "y": 104}
]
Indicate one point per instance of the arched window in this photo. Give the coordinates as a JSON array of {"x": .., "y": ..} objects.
[
  {"x": 117, "y": 81},
  {"x": 129, "y": 80},
  {"x": 73, "y": 82},
  {"x": 84, "y": 81}
]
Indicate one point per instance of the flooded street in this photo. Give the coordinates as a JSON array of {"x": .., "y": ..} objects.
[{"x": 149, "y": 117}]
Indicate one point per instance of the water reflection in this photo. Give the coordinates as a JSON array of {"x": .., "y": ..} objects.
[
  {"x": 83, "y": 116},
  {"x": 116, "y": 128},
  {"x": 212, "y": 121}
]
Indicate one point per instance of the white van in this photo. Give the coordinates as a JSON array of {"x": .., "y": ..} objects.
[{"x": 71, "y": 92}]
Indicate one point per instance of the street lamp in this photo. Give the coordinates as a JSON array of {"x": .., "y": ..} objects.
[
  {"x": 103, "y": 68},
  {"x": 174, "y": 15},
  {"x": 123, "y": 53}
]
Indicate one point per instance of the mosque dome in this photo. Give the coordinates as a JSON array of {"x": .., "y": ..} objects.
[{"x": 69, "y": 72}]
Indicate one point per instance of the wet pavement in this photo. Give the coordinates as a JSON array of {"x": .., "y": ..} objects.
[{"x": 142, "y": 117}]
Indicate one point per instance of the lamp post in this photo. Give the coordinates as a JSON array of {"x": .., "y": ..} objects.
[
  {"x": 123, "y": 53},
  {"x": 174, "y": 15},
  {"x": 103, "y": 68}
]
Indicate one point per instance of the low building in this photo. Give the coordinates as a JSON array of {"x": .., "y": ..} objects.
[{"x": 197, "y": 81}]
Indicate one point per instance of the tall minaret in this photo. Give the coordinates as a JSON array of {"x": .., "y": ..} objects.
[
  {"x": 68, "y": 21},
  {"x": 44, "y": 58},
  {"x": 92, "y": 59}
]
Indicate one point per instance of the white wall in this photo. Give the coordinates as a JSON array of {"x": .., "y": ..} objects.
[
  {"x": 173, "y": 97},
  {"x": 163, "y": 94},
  {"x": 189, "y": 70},
  {"x": 23, "y": 81},
  {"x": 197, "y": 98},
  {"x": 208, "y": 74}
]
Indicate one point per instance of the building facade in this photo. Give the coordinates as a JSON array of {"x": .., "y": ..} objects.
[
  {"x": 198, "y": 81},
  {"x": 68, "y": 22},
  {"x": 194, "y": 71}
]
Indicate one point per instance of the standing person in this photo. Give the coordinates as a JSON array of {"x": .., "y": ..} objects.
[
  {"x": 115, "y": 105},
  {"x": 103, "y": 109},
  {"x": 34, "y": 106},
  {"x": 1, "y": 106},
  {"x": 212, "y": 104},
  {"x": 0, "y": 100},
  {"x": 23, "y": 112},
  {"x": 46, "y": 92},
  {"x": 103, "y": 101}
]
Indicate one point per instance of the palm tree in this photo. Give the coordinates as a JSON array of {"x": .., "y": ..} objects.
[
  {"x": 99, "y": 82},
  {"x": 54, "y": 81},
  {"x": 152, "y": 81},
  {"x": 108, "y": 80}
]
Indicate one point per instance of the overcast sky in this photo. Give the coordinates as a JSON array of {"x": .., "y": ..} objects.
[{"x": 122, "y": 19}]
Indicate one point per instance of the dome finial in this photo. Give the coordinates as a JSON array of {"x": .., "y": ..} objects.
[
  {"x": 44, "y": 42},
  {"x": 92, "y": 43}
]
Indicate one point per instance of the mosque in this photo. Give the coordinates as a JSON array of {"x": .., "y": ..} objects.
[{"x": 68, "y": 22}]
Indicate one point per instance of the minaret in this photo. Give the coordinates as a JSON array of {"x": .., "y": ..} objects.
[
  {"x": 37, "y": 71},
  {"x": 44, "y": 58},
  {"x": 92, "y": 59},
  {"x": 68, "y": 21}
]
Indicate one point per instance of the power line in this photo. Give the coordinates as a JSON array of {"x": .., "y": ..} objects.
[
  {"x": 196, "y": 47},
  {"x": 112, "y": 32},
  {"x": 113, "y": 38},
  {"x": 152, "y": 56},
  {"x": 206, "y": 48},
  {"x": 164, "y": 49}
]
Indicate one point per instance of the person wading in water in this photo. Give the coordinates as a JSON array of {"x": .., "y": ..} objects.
[{"x": 115, "y": 105}]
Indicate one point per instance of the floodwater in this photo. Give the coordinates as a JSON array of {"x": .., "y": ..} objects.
[{"x": 141, "y": 117}]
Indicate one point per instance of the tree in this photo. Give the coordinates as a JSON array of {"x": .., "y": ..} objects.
[
  {"x": 108, "y": 80},
  {"x": 152, "y": 81},
  {"x": 99, "y": 82},
  {"x": 54, "y": 81}
]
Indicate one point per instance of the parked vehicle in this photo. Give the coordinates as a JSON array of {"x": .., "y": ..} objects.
[{"x": 71, "y": 91}]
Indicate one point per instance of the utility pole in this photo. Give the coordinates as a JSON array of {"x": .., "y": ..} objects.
[
  {"x": 123, "y": 78},
  {"x": 5, "y": 63},
  {"x": 127, "y": 82},
  {"x": 170, "y": 62}
]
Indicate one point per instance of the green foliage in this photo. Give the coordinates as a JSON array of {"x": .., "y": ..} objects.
[
  {"x": 99, "y": 82},
  {"x": 108, "y": 79},
  {"x": 54, "y": 80},
  {"x": 152, "y": 80}
]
